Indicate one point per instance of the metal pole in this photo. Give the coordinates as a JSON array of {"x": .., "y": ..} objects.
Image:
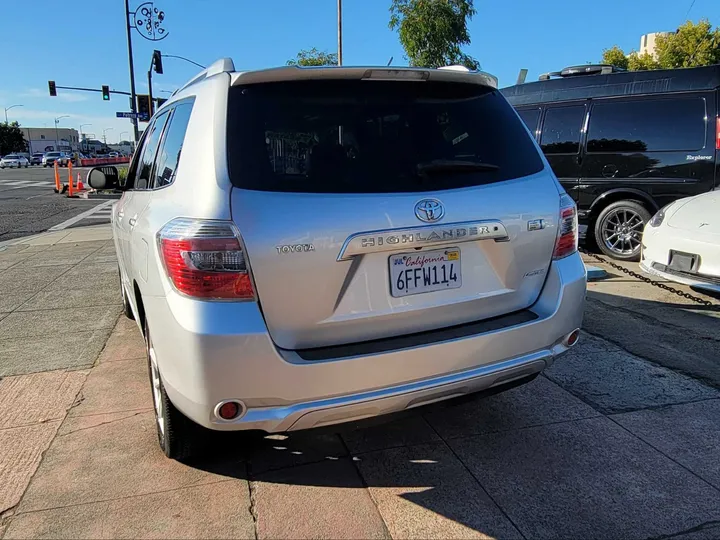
[
  {"x": 132, "y": 69},
  {"x": 150, "y": 101},
  {"x": 6, "y": 116},
  {"x": 339, "y": 28},
  {"x": 57, "y": 137}
]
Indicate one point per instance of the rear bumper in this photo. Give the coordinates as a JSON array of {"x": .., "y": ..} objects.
[{"x": 210, "y": 352}]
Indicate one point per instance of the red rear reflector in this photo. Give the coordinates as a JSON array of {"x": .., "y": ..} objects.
[
  {"x": 228, "y": 410},
  {"x": 717, "y": 134},
  {"x": 205, "y": 259},
  {"x": 567, "y": 238}
]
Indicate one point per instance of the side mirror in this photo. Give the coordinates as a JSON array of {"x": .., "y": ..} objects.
[{"x": 103, "y": 178}]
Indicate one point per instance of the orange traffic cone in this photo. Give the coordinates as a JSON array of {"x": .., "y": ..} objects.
[{"x": 80, "y": 185}]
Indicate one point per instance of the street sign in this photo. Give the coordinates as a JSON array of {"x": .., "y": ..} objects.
[{"x": 126, "y": 115}]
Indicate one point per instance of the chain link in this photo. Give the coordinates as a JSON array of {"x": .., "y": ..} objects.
[{"x": 648, "y": 280}]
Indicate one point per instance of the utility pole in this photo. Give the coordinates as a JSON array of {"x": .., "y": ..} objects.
[
  {"x": 339, "y": 26},
  {"x": 132, "y": 69}
]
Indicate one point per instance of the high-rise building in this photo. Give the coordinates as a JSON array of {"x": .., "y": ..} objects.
[{"x": 648, "y": 43}]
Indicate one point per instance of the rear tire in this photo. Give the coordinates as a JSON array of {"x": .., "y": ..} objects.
[
  {"x": 178, "y": 436},
  {"x": 127, "y": 308},
  {"x": 618, "y": 230}
]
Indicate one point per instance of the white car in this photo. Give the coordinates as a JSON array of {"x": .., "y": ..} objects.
[
  {"x": 682, "y": 242},
  {"x": 13, "y": 160}
]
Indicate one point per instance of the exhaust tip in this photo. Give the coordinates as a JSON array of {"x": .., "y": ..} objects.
[
  {"x": 572, "y": 338},
  {"x": 229, "y": 409}
]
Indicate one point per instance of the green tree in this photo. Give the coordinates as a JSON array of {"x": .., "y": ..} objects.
[
  {"x": 11, "y": 138},
  {"x": 692, "y": 45},
  {"x": 615, "y": 57},
  {"x": 642, "y": 62},
  {"x": 432, "y": 32},
  {"x": 313, "y": 57}
]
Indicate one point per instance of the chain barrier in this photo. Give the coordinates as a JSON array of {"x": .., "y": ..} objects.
[{"x": 646, "y": 279}]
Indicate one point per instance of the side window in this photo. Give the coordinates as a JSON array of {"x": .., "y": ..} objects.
[
  {"x": 132, "y": 169},
  {"x": 145, "y": 160},
  {"x": 647, "y": 125},
  {"x": 169, "y": 153},
  {"x": 530, "y": 117},
  {"x": 561, "y": 130}
]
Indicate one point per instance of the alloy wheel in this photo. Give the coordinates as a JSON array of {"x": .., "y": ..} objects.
[{"x": 622, "y": 231}]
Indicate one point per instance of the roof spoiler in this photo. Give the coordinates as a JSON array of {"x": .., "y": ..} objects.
[
  {"x": 223, "y": 65},
  {"x": 574, "y": 71}
]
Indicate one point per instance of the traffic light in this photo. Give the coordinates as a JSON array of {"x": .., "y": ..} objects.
[
  {"x": 160, "y": 102},
  {"x": 143, "y": 107},
  {"x": 106, "y": 92},
  {"x": 51, "y": 86},
  {"x": 157, "y": 62}
]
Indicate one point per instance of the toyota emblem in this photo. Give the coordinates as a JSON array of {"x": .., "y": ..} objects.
[{"x": 429, "y": 210}]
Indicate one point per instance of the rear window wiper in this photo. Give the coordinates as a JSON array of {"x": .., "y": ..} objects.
[{"x": 454, "y": 166}]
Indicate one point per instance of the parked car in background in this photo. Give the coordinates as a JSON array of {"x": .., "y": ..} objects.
[
  {"x": 13, "y": 160},
  {"x": 25, "y": 155},
  {"x": 682, "y": 242},
  {"x": 398, "y": 226},
  {"x": 113, "y": 155},
  {"x": 625, "y": 144},
  {"x": 69, "y": 157},
  {"x": 49, "y": 158},
  {"x": 36, "y": 158}
]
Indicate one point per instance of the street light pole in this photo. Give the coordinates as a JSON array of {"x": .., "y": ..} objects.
[
  {"x": 104, "y": 137},
  {"x": 7, "y": 109},
  {"x": 57, "y": 137},
  {"x": 132, "y": 70},
  {"x": 81, "y": 134}
]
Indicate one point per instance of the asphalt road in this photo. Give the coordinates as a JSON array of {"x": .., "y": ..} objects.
[{"x": 29, "y": 206}]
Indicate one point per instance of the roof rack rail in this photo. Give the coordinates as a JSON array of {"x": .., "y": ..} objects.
[
  {"x": 574, "y": 71},
  {"x": 223, "y": 65}
]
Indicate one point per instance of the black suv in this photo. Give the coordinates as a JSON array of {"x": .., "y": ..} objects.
[{"x": 625, "y": 144}]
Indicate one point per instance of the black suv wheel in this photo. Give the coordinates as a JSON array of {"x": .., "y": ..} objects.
[{"x": 619, "y": 228}]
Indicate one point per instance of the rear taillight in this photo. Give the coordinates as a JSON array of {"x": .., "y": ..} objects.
[
  {"x": 567, "y": 237},
  {"x": 717, "y": 133},
  {"x": 205, "y": 259}
]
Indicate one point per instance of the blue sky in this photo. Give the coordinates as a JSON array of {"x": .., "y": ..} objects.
[{"x": 83, "y": 43}]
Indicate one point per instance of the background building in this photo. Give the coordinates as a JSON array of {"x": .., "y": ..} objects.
[
  {"x": 49, "y": 139},
  {"x": 648, "y": 42}
]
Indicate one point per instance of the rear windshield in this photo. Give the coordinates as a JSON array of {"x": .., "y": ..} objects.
[{"x": 373, "y": 136}]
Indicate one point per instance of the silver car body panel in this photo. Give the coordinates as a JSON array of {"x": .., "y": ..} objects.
[{"x": 337, "y": 293}]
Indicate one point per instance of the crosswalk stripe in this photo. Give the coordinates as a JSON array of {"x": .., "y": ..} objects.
[
  {"x": 84, "y": 215},
  {"x": 23, "y": 183}
]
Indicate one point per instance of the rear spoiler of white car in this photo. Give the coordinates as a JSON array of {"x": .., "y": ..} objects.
[{"x": 296, "y": 73}]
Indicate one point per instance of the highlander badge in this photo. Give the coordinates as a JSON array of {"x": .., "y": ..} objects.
[{"x": 416, "y": 237}]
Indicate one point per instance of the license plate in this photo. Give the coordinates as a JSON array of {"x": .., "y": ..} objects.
[{"x": 426, "y": 271}]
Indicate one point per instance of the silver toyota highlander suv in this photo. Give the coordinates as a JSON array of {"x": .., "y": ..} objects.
[{"x": 308, "y": 246}]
